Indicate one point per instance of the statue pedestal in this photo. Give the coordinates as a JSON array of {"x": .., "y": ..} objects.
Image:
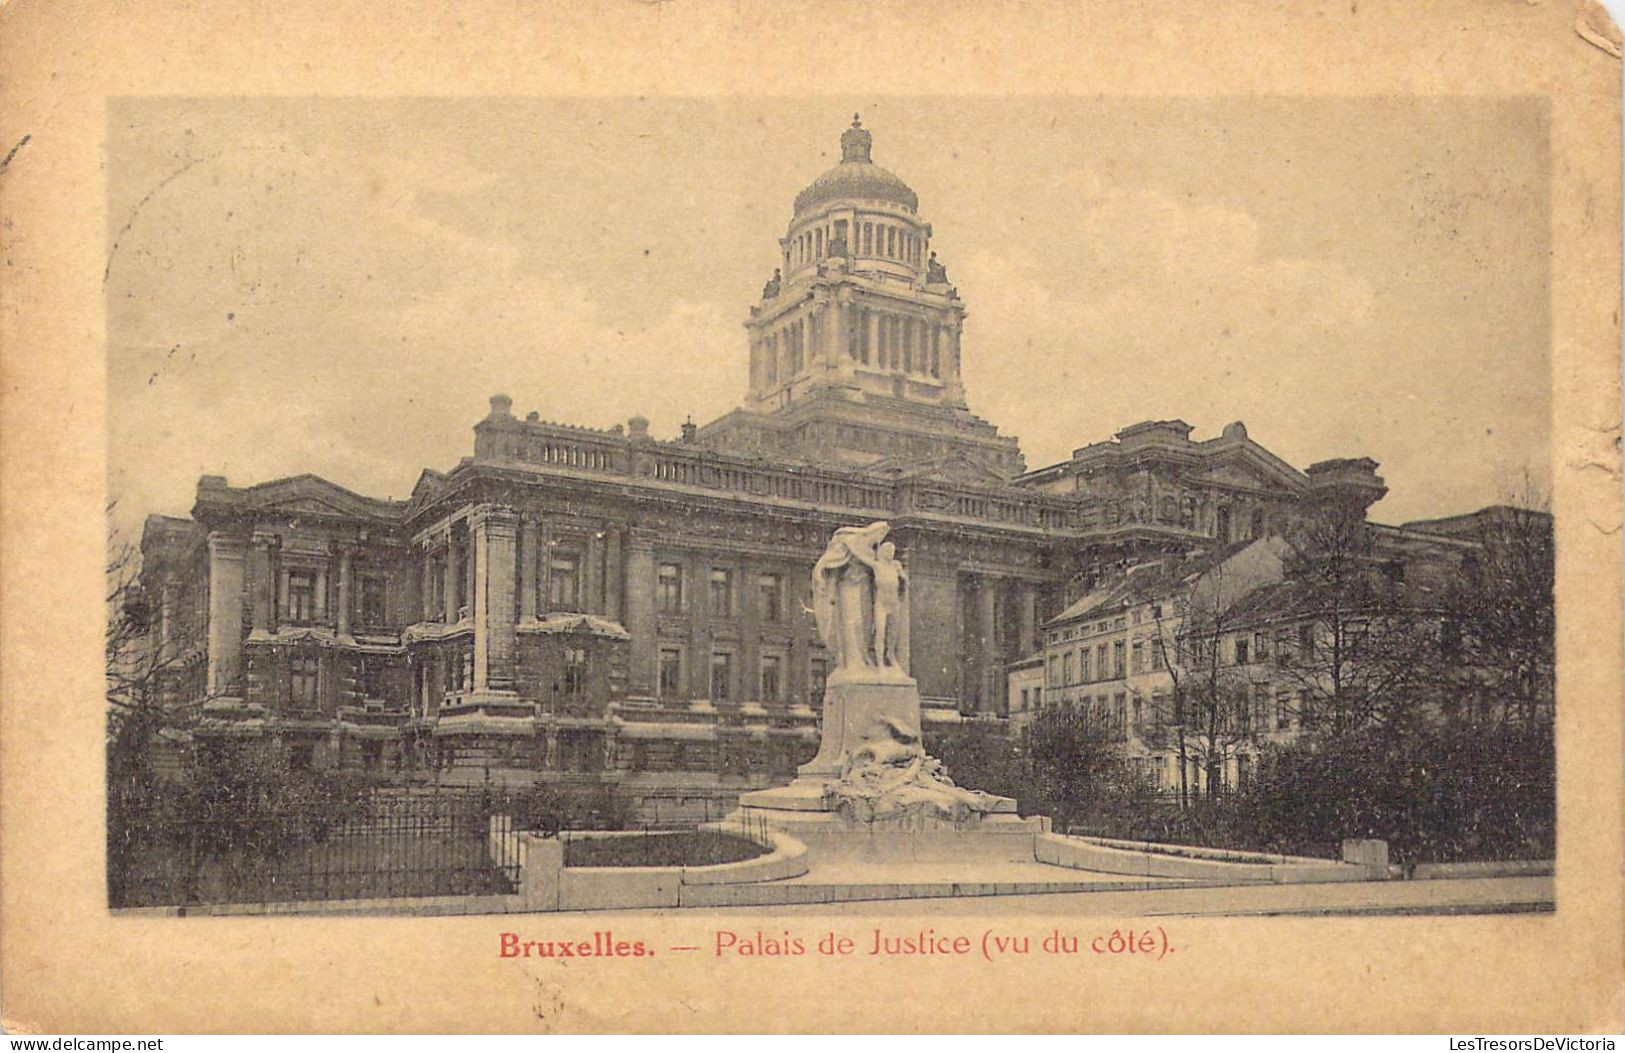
[
  {"x": 871, "y": 779},
  {"x": 852, "y": 708}
]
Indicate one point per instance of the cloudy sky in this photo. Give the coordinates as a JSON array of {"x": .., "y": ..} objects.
[{"x": 338, "y": 286}]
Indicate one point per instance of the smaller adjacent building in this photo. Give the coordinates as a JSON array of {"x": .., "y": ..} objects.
[{"x": 1196, "y": 663}]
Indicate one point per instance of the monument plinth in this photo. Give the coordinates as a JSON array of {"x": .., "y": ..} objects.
[{"x": 871, "y": 772}]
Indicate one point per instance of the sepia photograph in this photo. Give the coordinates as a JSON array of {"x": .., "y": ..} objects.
[
  {"x": 960, "y": 499},
  {"x": 666, "y": 517}
]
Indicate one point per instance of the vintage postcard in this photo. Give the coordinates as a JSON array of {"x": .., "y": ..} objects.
[{"x": 880, "y": 517}]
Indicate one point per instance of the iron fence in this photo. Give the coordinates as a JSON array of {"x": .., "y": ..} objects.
[{"x": 390, "y": 843}]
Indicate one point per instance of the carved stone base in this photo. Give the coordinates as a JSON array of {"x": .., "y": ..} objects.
[
  {"x": 871, "y": 767},
  {"x": 852, "y": 709}
]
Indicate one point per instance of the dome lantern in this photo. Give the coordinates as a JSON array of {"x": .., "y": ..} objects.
[{"x": 856, "y": 142}]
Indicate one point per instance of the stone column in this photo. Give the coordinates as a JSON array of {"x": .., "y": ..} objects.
[
  {"x": 262, "y": 585},
  {"x": 493, "y": 535},
  {"x": 544, "y": 569},
  {"x": 987, "y": 630},
  {"x": 593, "y": 578},
  {"x": 749, "y": 661},
  {"x": 934, "y": 629},
  {"x": 168, "y": 604},
  {"x": 225, "y": 612},
  {"x": 321, "y": 593},
  {"x": 451, "y": 579},
  {"x": 426, "y": 572},
  {"x": 471, "y": 568},
  {"x": 697, "y": 612},
  {"x": 1027, "y": 611},
  {"x": 614, "y": 579},
  {"x": 344, "y": 593},
  {"x": 640, "y": 612},
  {"x": 527, "y": 570}
]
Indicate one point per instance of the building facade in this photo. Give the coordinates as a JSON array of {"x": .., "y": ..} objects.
[{"x": 606, "y": 608}]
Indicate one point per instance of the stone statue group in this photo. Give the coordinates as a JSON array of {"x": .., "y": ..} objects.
[{"x": 860, "y": 600}]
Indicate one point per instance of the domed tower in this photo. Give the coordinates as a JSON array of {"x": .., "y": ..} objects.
[{"x": 855, "y": 341}]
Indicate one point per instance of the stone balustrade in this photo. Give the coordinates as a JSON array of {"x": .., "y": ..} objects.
[{"x": 612, "y": 453}]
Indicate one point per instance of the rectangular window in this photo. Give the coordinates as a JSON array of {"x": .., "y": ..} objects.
[
  {"x": 868, "y": 239},
  {"x": 301, "y": 597},
  {"x": 1306, "y": 640},
  {"x": 564, "y": 582},
  {"x": 722, "y": 593},
  {"x": 1139, "y": 656},
  {"x": 1283, "y": 711},
  {"x": 304, "y": 679},
  {"x": 671, "y": 672},
  {"x": 669, "y": 589},
  {"x": 1054, "y": 670},
  {"x": 1261, "y": 646},
  {"x": 370, "y": 610},
  {"x": 1083, "y": 665},
  {"x": 770, "y": 588},
  {"x": 1066, "y": 668},
  {"x": 722, "y": 676},
  {"x": 1243, "y": 656},
  {"x": 1118, "y": 651},
  {"x": 371, "y": 680},
  {"x": 772, "y": 667}
]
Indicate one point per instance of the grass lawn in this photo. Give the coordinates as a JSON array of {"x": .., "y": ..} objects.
[{"x": 679, "y": 849}]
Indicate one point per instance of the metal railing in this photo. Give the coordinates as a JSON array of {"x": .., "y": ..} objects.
[{"x": 390, "y": 844}]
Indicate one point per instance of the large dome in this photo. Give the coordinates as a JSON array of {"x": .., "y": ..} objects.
[{"x": 856, "y": 177}]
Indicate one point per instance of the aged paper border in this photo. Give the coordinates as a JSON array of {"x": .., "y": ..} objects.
[{"x": 69, "y": 966}]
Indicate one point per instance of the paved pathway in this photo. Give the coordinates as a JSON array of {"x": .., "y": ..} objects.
[
  {"x": 979, "y": 871},
  {"x": 1462, "y": 896}
]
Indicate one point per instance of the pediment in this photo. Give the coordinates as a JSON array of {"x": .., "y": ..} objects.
[
  {"x": 310, "y": 507},
  {"x": 309, "y": 495},
  {"x": 1247, "y": 469}
]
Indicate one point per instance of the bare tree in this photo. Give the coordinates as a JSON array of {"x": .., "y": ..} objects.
[
  {"x": 1501, "y": 623},
  {"x": 1209, "y": 719},
  {"x": 1363, "y": 652},
  {"x": 152, "y": 661}
]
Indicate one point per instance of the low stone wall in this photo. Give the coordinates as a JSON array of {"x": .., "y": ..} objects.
[
  {"x": 1228, "y": 855},
  {"x": 1191, "y": 863},
  {"x": 1505, "y": 868},
  {"x": 547, "y": 884}
]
